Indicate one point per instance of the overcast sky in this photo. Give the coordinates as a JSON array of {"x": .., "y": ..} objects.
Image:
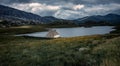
[{"x": 66, "y": 9}]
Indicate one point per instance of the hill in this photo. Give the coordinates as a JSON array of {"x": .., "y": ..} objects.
[{"x": 109, "y": 18}]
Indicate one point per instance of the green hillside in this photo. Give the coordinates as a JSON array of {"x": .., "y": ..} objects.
[{"x": 96, "y": 50}]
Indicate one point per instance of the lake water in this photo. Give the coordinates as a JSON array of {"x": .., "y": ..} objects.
[{"x": 73, "y": 32}]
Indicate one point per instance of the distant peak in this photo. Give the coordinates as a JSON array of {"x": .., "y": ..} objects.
[
  {"x": 49, "y": 16},
  {"x": 111, "y": 14}
]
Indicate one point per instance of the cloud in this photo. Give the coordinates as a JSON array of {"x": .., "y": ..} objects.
[
  {"x": 68, "y": 14},
  {"x": 71, "y": 6},
  {"x": 90, "y": 1},
  {"x": 51, "y": 2},
  {"x": 34, "y": 6},
  {"x": 37, "y": 8},
  {"x": 14, "y": 1},
  {"x": 47, "y": 10},
  {"x": 102, "y": 9},
  {"x": 66, "y": 9},
  {"x": 88, "y": 11},
  {"x": 78, "y": 7}
]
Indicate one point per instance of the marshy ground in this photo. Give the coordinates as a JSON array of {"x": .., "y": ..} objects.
[{"x": 95, "y": 50}]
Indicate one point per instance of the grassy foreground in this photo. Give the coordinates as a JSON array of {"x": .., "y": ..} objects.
[{"x": 96, "y": 50}]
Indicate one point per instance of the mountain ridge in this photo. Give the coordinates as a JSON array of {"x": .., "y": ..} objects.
[
  {"x": 21, "y": 17},
  {"x": 111, "y": 18},
  {"x": 12, "y": 12}
]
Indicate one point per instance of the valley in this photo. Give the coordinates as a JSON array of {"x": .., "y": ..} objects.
[
  {"x": 94, "y": 50},
  {"x": 86, "y": 50}
]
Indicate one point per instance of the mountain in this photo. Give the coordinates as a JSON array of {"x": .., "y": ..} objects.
[
  {"x": 49, "y": 19},
  {"x": 14, "y": 17},
  {"x": 11, "y": 13},
  {"x": 17, "y": 17},
  {"x": 110, "y": 18}
]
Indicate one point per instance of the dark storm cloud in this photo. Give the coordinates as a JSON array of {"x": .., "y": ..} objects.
[
  {"x": 14, "y": 1},
  {"x": 62, "y": 1}
]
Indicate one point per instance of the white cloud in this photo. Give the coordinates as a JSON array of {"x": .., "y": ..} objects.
[
  {"x": 87, "y": 11},
  {"x": 67, "y": 10},
  {"x": 48, "y": 10},
  {"x": 72, "y": 6},
  {"x": 35, "y": 7},
  {"x": 68, "y": 14},
  {"x": 65, "y": 14},
  {"x": 78, "y": 7}
]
